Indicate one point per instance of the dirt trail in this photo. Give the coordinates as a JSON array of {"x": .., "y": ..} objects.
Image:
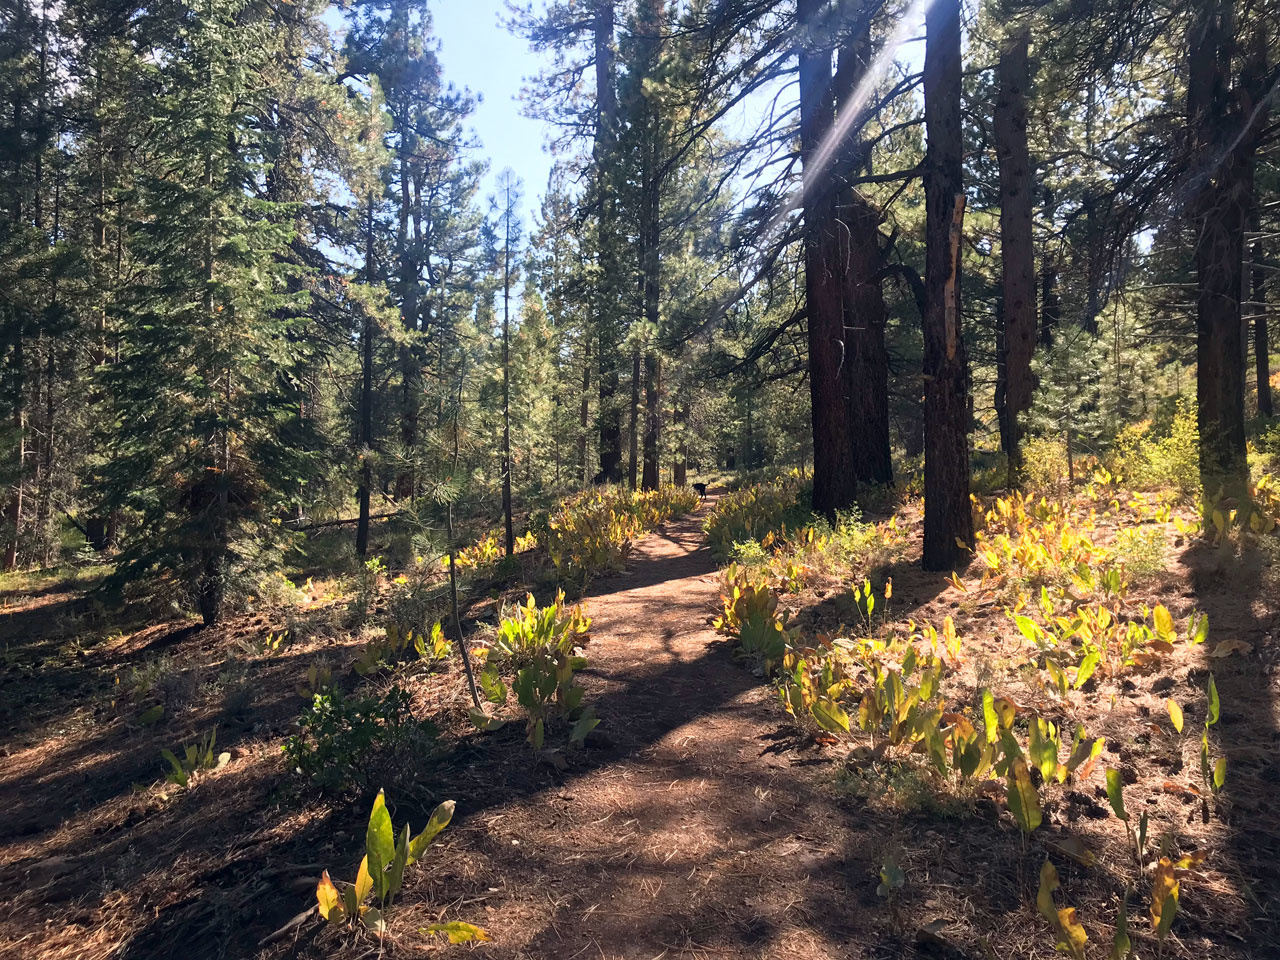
[{"x": 686, "y": 837}]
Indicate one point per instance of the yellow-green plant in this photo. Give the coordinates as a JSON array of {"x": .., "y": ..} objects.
[
  {"x": 749, "y": 616},
  {"x": 542, "y": 645},
  {"x": 752, "y": 513},
  {"x": 381, "y": 874},
  {"x": 319, "y": 678},
  {"x": 592, "y": 531},
  {"x": 1212, "y": 775},
  {"x": 195, "y": 757},
  {"x": 1071, "y": 935}
]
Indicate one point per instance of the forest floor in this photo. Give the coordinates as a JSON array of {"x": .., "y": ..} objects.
[{"x": 699, "y": 823}]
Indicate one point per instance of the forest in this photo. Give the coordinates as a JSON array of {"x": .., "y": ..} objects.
[{"x": 835, "y": 515}]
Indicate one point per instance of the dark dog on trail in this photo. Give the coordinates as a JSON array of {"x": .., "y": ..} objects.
[{"x": 700, "y": 489}]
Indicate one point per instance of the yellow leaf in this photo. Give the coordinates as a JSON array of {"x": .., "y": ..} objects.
[
  {"x": 1165, "y": 885},
  {"x": 364, "y": 881},
  {"x": 329, "y": 899},
  {"x": 1175, "y": 714},
  {"x": 1072, "y": 932}
]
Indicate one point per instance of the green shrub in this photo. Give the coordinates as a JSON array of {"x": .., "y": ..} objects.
[
  {"x": 1142, "y": 550},
  {"x": 348, "y": 744},
  {"x": 1044, "y": 465},
  {"x": 1150, "y": 460},
  {"x": 755, "y": 512},
  {"x": 749, "y": 553},
  {"x": 592, "y": 531}
]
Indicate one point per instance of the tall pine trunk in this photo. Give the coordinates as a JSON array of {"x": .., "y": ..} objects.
[
  {"x": 634, "y": 432},
  {"x": 366, "y": 398},
  {"x": 1261, "y": 337},
  {"x": 834, "y": 485},
  {"x": 1221, "y": 146},
  {"x": 948, "y": 519},
  {"x": 606, "y": 301},
  {"x": 508, "y": 525},
  {"x": 866, "y": 359},
  {"x": 1017, "y": 251}
]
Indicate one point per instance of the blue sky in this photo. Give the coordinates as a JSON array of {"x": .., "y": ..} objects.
[{"x": 478, "y": 53}]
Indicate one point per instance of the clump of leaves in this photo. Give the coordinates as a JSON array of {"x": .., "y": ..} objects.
[
  {"x": 542, "y": 645},
  {"x": 395, "y": 646},
  {"x": 750, "y": 617},
  {"x": 346, "y": 744},
  {"x": 195, "y": 757},
  {"x": 381, "y": 874}
]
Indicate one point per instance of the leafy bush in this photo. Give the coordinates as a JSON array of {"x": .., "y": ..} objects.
[
  {"x": 1142, "y": 550},
  {"x": 592, "y": 531},
  {"x": 1170, "y": 461},
  {"x": 381, "y": 875},
  {"x": 346, "y": 744},
  {"x": 1044, "y": 465},
  {"x": 541, "y": 645},
  {"x": 753, "y": 513},
  {"x": 750, "y": 617}
]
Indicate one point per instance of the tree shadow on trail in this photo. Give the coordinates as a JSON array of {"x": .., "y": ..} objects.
[{"x": 1241, "y": 605}]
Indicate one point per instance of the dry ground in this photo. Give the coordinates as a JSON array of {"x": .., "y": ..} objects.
[{"x": 700, "y": 824}]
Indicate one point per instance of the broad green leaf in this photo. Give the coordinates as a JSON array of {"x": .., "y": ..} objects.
[
  {"x": 1029, "y": 629},
  {"x": 830, "y": 716},
  {"x": 1219, "y": 774},
  {"x": 1024, "y": 802},
  {"x": 484, "y": 721},
  {"x": 395, "y": 876},
  {"x": 1086, "y": 669},
  {"x": 584, "y": 725},
  {"x": 151, "y": 715},
  {"x": 440, "y": 818},
  {"x": 1163, "y": 621},
  {"x": 380, "y": 845},
  {"x": 1115, "y": 792},
  {"x": 1212, "y": 716}
]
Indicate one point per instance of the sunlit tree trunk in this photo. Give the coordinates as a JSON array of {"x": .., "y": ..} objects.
[
  {"x": 609, "y": 414},
  {"x": 834, "y": 484},
  {"x": 866, "y": 360},
  {"x": 948, "y": 519}
]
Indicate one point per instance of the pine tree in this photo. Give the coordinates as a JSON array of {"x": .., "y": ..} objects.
[{"x": 206, "y": 428}]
